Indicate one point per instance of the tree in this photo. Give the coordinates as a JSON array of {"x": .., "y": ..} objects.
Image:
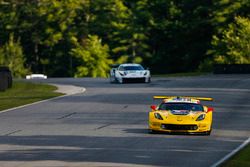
[
  {"x": 233, "y": 46},
  {"x": 180, "y": 34},
  {"x": 224, "y": 12},
  {"x": 166, "y": 35},
  {"x": 94, "y": 57},
  {"x": 45, "y": 29},
  {"x": 11, "y": 55},
  {"x": 123, "y": 26},
  {"x": 137, "y": 31},
  {"x": 54, "y": 24}
]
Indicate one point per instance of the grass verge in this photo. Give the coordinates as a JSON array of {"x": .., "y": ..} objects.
[
  {"x": 188, "y": 74},
  {"x": 241, "y": 159},
  {"x": 24, "y": 93}
]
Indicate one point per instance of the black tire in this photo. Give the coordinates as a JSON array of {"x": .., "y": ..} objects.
[
  {"x": 113, "y": 80},
  {"x": 121, "y": 82},
  {"x": 207, "y": 133},
  {"x": 150, "y": 131},
  {"x": 149, "y": 80}
]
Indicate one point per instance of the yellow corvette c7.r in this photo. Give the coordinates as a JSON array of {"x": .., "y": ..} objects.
[{"x": 181, "y": 114}]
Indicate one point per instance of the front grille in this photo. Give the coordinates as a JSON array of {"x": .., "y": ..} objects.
[
  {"x": 179, "y": 127},
  {"x": 133, "y": 80}
]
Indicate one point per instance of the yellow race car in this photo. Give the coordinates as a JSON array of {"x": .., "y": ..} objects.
[{"x": 181, "y": 114}]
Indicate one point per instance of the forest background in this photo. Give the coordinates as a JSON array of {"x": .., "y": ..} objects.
[{"x": 78, "y": 38}]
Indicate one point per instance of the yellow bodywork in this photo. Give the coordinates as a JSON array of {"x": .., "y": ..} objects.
[{"x": 181, "y": 123}]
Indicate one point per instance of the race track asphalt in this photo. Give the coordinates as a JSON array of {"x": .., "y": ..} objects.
[{"x": 107, "y": 125}]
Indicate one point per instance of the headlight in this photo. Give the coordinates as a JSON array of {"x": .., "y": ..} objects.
[
  {"x": 122, "y": 74},
  {"x": 201, "y": 117},
  {"x": 158, "y": 116}
]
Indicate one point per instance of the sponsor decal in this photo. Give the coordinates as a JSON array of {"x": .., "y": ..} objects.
[{"x": 180, "y": 112}]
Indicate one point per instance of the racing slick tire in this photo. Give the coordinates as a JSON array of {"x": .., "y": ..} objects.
[
  {"x": 207, "y": 133},
  {"x": 150, "y": 131},
  {"x": 112, "y": 80},
  {"x": 121, "y": 81},
  {"x": 149, "y": 80}
]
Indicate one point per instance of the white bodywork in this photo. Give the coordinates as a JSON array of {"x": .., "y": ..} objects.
[
  {"x": 129, "y": 72},
  {"x": 36, "y": 76}
]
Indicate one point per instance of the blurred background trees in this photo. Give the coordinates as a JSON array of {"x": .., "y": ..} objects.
[
  {"x": 233, "y": 47},
  {"x": 11, "y": 55},
  {"x": 67, "y": 38},
  {"x": 94, "y": 56}
]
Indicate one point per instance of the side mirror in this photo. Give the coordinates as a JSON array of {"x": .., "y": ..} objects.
[
  {"x": 153, "y": 107},
  {"x": 210, "y": 109}
]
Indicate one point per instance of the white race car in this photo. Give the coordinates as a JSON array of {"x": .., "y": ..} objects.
[
  {"x": 129, "y": 73},
  {"x": 36, "y": 76}
]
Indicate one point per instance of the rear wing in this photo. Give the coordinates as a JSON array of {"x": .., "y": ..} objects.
[{"x": 191, "y": 97}]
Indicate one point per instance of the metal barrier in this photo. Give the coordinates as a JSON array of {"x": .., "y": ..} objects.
[
  {"x": 232, "y": 69},
  {"x": 5, "y": 78}
]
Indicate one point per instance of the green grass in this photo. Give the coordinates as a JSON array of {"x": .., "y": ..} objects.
[
  {"x": 24, "y": 93},
  {"x": 181, "y": 74},
  {"x": 241, "y": 159}
]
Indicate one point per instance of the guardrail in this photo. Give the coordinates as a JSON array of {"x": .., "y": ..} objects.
[
  {"x": 231, "y": 69},
  {"x": 5, "y": 78}
]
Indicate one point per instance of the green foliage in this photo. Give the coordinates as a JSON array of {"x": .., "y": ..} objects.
[
  {"x": 59, "y": 16},
  {"x": 233, "y": 47},
  {"x": 11, "y": 55},
  {"x": 93, "y": 56},
  {"x": 120, "y": 24},
  {"x": 224, "y": 12},
  {"x": 51, "y": 35},
  {"x": 179, "y": 35},
  {"x": 45, "y": 29},
  {"x": 165, "y": 35}
]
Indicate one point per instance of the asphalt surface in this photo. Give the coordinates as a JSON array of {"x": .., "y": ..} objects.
[{"x": 107, "y": 125}]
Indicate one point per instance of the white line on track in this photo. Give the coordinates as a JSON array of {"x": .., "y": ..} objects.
[{"x": 246, "y": 142}]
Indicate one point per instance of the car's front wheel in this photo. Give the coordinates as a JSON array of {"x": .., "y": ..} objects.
[
  {"x": 120, "y": 80},
  {"x": 149, "y": 80},
  {"x": 112, "y": 79},
  {"x": 207, "y": 133},
  {"x": 151, "y": 131}
]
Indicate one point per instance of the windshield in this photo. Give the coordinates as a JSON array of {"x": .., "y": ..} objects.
[
  {"x": 131, "y": 68},
  {"x": 181, "y": 106}
]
